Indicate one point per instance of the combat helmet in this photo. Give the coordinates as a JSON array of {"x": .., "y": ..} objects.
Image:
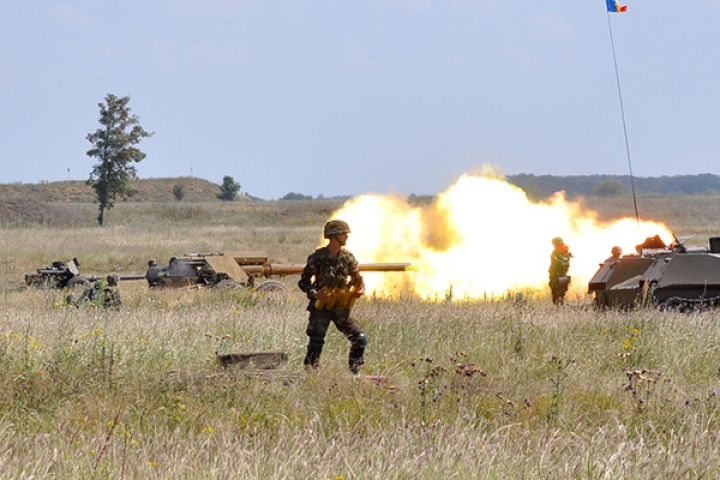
[
  {"x": 335, "y": 227},
  {"x": 557, "y": 241}
]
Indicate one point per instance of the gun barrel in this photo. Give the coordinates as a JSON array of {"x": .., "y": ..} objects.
[
  {"x": 132, "y": 277},
  {"x": 384, "y": 267},
  {"x": 95, "y": 278},
  {"x": 269, "y": 269},
  {"x": 282, "y": 269}
]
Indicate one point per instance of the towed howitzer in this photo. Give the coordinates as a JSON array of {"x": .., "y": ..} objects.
[
  {"x": 244, "y": 268},
  {"x": 66, "y": 275}
]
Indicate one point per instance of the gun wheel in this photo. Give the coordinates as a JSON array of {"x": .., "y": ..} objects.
[{"x": 271, "y": 286}]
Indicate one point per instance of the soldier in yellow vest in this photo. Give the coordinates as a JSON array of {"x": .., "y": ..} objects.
[{"x": 558, "y": 271}]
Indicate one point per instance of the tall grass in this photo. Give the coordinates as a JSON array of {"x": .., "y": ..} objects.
[{"x": 472, "y": 389}]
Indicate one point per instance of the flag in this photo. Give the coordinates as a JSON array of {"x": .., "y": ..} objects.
[{"x": 615, "y": 7}]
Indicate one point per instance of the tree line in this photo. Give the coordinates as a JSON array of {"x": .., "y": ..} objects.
[{"x": 542, "y": 186}]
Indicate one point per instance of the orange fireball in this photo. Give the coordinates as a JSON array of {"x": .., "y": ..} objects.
[{"x": 482, "y": 238}]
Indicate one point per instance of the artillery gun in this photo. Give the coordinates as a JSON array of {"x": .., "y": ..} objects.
[
  {"x": 674, "y": 276},
  {"x": 65, "y": 275},
  {"x": 248, "y": 269}
]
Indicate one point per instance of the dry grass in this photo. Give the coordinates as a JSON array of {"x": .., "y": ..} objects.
[
  {"x": 148, "y": 190},
  {"x": 473, "y": 390}
]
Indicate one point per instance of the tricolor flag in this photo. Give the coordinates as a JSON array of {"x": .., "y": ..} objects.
[{"x": 615, "y": 7}]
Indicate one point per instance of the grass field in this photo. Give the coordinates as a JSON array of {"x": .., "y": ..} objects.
[{"x": 473, "y": 389}]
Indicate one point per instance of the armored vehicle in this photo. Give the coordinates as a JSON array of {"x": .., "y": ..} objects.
[
  {"x": 671, "y": 276},
  {"x": 248, "y": 269}
]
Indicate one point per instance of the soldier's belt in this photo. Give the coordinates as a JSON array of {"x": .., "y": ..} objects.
[{"x": 340, "y": 298}]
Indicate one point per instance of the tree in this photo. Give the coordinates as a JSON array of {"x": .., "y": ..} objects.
[
  {"x": 114, "y": 147},
  {"x": 296, "y": 196},
  {"x": 178, "y": 192},
  {"x": 609, "y": 188},
  {"x": 228, "y": 189}
]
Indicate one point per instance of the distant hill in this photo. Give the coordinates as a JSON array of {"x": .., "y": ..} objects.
[
  {"x": 160, "y": 190},
  {"x": 149, "y": 190}
]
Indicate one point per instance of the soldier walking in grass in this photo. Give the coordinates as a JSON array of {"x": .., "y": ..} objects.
[
  {"x": 332, "y": 282},
  {"x": 559, "y": 266}
]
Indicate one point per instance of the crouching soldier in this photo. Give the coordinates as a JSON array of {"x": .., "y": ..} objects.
[
  {"x": 88, "y": 296},
  {"x": 110, "y": 293}
]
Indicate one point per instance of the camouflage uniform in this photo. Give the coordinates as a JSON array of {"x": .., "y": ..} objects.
[
  {"x": 98, "y": 295},
  {"x": 559, "y": 266},
  {"x": 111, "y": 295},
  {"x": 323, "y": 271},
  {"x": 88, "y": 296}
]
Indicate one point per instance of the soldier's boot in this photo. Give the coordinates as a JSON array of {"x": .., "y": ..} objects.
[
  {"x": 357, "y": 352},
  {"x": 312, "y": 358},
  {"x": 355, "y": 364}
]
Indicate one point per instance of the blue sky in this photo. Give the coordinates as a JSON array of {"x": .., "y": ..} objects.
[{"x": 343, "y": 97}]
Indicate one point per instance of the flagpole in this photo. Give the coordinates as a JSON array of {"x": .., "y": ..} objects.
[{"x": 622, "y": 113}]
